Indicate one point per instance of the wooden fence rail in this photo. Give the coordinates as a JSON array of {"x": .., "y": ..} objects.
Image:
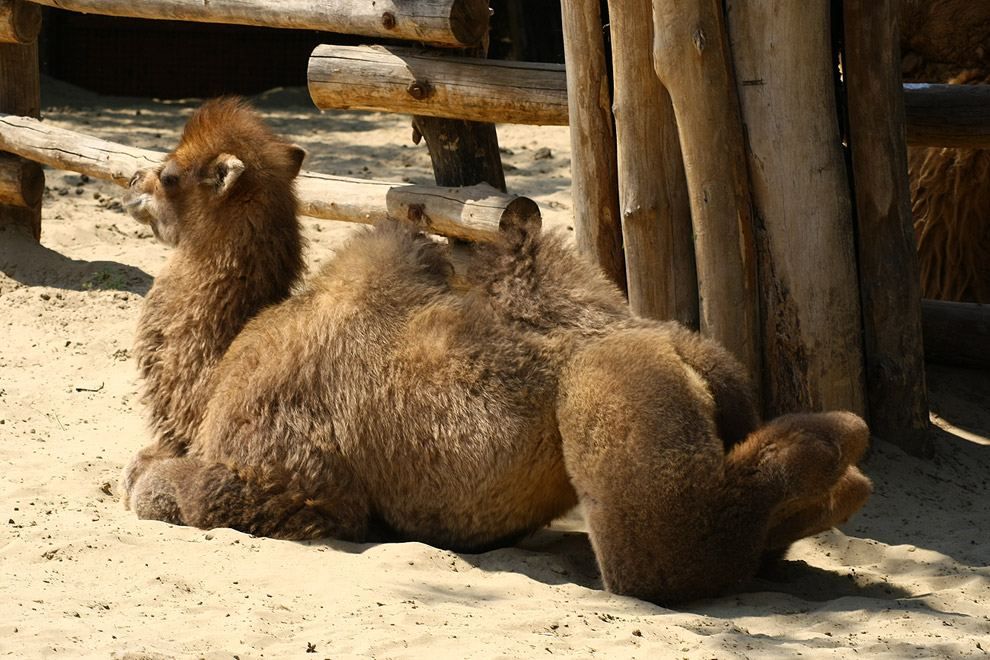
[
  {"x": 450, "y": 23},
  {"x": 473, "y": 213},
  {"x": 419, "y": 82}
]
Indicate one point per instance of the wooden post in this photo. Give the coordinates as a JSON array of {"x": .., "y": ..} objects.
[
  {"x": 948, "y": 115},
  {"x": 20, "y": 94},
  {"x": 691, "y": 57},
  {"x": 889, "y": 275},
  {"x": 809, "y": 287},
  {"x": 594, "y": 185},
  {"x": 656, "y": 214}
]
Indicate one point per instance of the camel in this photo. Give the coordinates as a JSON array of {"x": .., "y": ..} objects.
[
  {"x": 948, "y": 41},
  {"x": 383, "y": 403}
]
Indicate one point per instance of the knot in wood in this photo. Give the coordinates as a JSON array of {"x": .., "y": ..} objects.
[
  {"x": 388, "y": 20},
  {"x": 418, "y": 90},
  {"x": 415, "y": 212},
  {"x": 700, "y": 41}
]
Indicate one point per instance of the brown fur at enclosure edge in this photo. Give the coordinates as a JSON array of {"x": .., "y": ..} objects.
[
  {"x": 948, "y": 41},
  {"x": 224, "y": 199},
  {"x": 382, "y": 403}
]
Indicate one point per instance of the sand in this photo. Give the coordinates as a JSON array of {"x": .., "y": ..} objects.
[{"x": 82, "y": 578}]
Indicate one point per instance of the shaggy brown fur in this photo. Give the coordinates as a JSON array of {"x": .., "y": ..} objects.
[
  {"x": 239, "y": 249},
  {"x": 382, "y": 401},
  {"x": 948, "y": 41}
]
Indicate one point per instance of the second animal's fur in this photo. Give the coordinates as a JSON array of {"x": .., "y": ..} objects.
[
  {"x": 381, "y": 402},
  {"x": 948, "y": 41}
]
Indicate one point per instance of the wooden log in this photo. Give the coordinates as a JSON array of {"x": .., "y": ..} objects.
[
  {"x": 463, "y": 152},
  {"x": 809, "y": 287},
  {"x": 21, "y": 181},
  {"x": 476, "y": 212},
  {"x": 656, "y": 214},
  {"x": 471, "y": 214},
  {"x": 691, "y": 57},
  {"x": 594, "y": 180},
  {"x": 20, "y": 21},
  {"x": 889, "y": 274},
  {"x": 20, "y": 94},
  {"x": 948, "y": 115},
  {"x": 451, "y": 23},
  {"x": 430, "y": 83},
  {"x": 956, "y": 333}
]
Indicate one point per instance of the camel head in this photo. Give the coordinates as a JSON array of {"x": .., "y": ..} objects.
[{"x": 229, "y": 174}]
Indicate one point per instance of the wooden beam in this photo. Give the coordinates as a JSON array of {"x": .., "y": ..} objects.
[
  {"x": 475, "y": 213},
  {"x": 890, "y": 283},
  {"x": 691, "y": 55},
  {"x": 594, "y": 179},
  {"x": 956, "y": 333},
  {"x": 653, "y": 197},
  {"x": 948, "y": 115},
  {"x": 430, "y": 83},
  {"x": 20, "y": 21},
  {"x": 812, "y": 324},
  {"x": 451, "y": 23}
]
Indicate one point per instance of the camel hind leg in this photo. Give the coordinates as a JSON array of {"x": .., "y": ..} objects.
[
  {"x": 187, "y": 491},
  {"x": 671, "y": 515}
]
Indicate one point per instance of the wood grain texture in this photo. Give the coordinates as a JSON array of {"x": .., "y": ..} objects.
[
  {"x": 948, "y": 115},
  {"x": 889, "y": 274},
  {"x": 431, "y": 83}
]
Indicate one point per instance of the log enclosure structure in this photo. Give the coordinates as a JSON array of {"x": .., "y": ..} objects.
[{"x": 711, "y": 180}]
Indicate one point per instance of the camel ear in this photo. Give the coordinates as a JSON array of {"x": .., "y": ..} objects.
[
  {"x": 296, "y": 157},
  {"x": 224, "y": 172}
]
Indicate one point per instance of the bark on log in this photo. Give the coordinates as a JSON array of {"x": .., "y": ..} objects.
[
  {"x": 20, "y": 21},
  {"x": 594, "y": 184},
  {"x": 451, "y": 23},
  {"x": 691, "y": 57},
  {"x": 810, "y": 306},
  {"x": 21, "y": 181},
  {"x": 470, "y": 214},
  {"x": 656, "y": 215},
  {"x": 956, "y": 333},
  {"x": 889, "y": 274},
  {"x": 20, "y": 94},
  {"x": 421, "y": 82},
  {"x": 948, "y": 115}
]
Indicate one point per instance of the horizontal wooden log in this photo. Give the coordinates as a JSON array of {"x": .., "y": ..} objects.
[
  {"x": 420, "y": 82},
  {"x": 956, "y": 333},
  {"x": 21, "y": 181},
  {"x": 20, "y": 21},
  {"x": 948, "y": 115},
  {"x": 474, "y": 213},
  {"x": 451, "y": 23}
]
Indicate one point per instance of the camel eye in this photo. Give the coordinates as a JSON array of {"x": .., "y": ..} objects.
[{"x": 169, "y": 180}]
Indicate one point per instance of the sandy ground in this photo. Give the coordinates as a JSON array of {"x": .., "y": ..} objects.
[{"x": 82, "y": 578}]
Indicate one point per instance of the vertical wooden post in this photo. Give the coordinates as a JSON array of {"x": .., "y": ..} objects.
[
  {"x": 656, "y": 214},
  {"x": 594, "y": 186},
  {"x": 20, "y": 94},
  {"x": 691, "y": 56},
  {"x": 889, "y": 276},
  {"x": 804, "y": 230},
  {"x": 463, "y": 152}
]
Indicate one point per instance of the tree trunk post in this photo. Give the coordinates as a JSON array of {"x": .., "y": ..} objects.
[
  {"x": 812, "y": 324},
  {"x": 594, "y": 185},
  {"x": 20, "y": 94},
  {"x": 656, "y": 214},
  {"x": 889, "y": 274},
  {"x": 691, "y": 56}
]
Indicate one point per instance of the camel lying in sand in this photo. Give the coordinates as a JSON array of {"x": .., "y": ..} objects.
[{"x": 383, "y": 403}]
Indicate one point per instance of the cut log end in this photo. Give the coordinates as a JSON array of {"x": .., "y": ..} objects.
[{"x": 20, "y": 21}]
